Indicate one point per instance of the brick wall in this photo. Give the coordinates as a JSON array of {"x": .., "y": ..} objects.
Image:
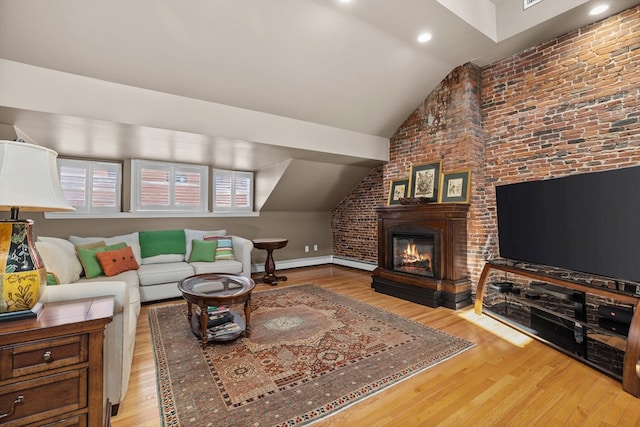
[
  {"x": 568, "y": 106},
  {"x": 571, "y": 105},
  {"x": 355, "y": 223},
  {"x": 446, "y": 127}
]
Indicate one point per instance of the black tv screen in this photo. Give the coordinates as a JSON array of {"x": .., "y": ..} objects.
[{"x": 588, "y": 223}]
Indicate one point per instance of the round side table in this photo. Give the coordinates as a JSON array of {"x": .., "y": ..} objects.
[
  {"x": 216, "y": 289},
  {"x": 269, "y": 245}
]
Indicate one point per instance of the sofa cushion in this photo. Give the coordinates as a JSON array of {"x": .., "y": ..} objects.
[
  {"x": 129, "y": 277},
  {"x": 162, "y": 259},
  {"x": 60, "y": 259},
  {"x": 225, "y": 247},
  {"x": 191, "y": 235},
  {"x": 203, "y": 251},
  {"x": 89, "y": 259},
  {"x": 230, "y": 266},
  {"x": 152, "y": 274},
  {"x": 130, "y": 239},
  {"x": 117, "y": 261}
]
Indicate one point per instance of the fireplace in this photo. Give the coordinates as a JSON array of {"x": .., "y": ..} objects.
[
  {"x": 422, "y": 254},
  {"x": 414, "y": 253}
]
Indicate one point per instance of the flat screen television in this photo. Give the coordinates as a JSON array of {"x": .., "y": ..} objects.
[{"x": 586, "y": 222}]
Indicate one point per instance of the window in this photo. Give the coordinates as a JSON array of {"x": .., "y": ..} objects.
[
  {"x": 232, "y": 191},
  {"x": 159, "y": 186},
  {"x": 91, "y": 186}
]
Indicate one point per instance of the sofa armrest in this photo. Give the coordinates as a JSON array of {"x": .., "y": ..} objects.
[
  {"x": 119, "y": 335},
  {"x": 71, "y": 291},
  {"x": 242, "y": 251}
]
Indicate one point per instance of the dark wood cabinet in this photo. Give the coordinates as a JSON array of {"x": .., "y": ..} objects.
[{"x": 51, "y": 367}]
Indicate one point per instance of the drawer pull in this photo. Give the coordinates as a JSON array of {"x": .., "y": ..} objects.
[
  {"x": 18, "y": 400},
  {"x": 47, "y": 356}
]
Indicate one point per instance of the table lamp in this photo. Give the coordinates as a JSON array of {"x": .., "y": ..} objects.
[{"x": 29, "y": 181}]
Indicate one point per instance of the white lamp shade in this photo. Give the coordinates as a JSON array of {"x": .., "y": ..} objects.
[{"x": 29, "y": 179}]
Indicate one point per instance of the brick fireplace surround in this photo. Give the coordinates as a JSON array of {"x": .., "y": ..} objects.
[{"x": 570, "y": 105}]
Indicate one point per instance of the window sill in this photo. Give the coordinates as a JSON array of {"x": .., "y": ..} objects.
[{"x": 131, "y": 215}]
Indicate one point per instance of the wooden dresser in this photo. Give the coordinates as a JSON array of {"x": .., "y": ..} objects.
[{"x": 51, "y": 368}]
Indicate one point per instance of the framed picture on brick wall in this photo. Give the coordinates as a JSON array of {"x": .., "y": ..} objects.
[
  {"x": 398, "y": 190},
  {"x": 455, "y": 187},
  {"x": 425, "y": 181}
]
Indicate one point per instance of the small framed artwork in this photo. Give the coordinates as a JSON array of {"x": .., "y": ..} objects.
[
  {"x": 425, "y": 180},
  {"x": 455, "y": 187},
  {"x": 398, "y": 190}
]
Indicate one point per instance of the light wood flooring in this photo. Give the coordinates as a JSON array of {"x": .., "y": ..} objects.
[{"x": 507, "y": 379}]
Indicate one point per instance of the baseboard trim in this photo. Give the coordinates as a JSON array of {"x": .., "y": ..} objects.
[
  {"x": 361, "y": 265},
  {"x": 311, "y": 261}
]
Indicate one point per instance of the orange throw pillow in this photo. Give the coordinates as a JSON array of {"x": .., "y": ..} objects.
[{"x": 116, "y": 261}]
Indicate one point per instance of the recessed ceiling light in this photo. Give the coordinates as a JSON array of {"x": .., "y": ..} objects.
[
  {"x": 344, "y": 1},
  {"x": 424, "y": 37},
  {"x": 598, "y": 9}
]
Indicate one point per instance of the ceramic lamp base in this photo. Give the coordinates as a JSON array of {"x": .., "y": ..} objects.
[{"x": 23, "y": 273}]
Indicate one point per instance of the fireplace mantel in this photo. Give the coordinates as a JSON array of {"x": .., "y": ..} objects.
[{"x": 452, "y": 287}]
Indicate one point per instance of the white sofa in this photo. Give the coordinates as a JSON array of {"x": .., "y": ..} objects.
[{"x": 153, "y": 280}]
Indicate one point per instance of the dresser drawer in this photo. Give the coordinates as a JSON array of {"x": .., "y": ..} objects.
[
  {"x": 78, "y": 421},
  {"x": 39, "y": 356},
  {"x": 43, "y": 398}
]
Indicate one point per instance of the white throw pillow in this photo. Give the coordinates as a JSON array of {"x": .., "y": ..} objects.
[
  {"x": 59, "y": 257},
  {"x": 191, "y": 235}
]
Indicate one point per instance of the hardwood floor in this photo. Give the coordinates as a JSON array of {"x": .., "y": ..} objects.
[{"x": 506, "y": 379}]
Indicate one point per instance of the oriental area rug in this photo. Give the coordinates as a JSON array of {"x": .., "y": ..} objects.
[{"x": 311, "y": 353}]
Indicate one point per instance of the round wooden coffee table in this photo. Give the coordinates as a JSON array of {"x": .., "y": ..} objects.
[
  {"x": 216, "y": 289},
  {"x": 269, "y": 244}
]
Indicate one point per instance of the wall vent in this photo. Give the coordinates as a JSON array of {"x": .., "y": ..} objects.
[{"x": 529, "y": 3}]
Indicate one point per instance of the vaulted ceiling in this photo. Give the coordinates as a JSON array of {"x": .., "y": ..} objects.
[{"x": 305, "y": 93}]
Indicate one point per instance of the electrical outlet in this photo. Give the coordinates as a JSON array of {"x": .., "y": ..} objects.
[
  {"x": 306, "y": 248},
  {"x": 315, "y": 248}
]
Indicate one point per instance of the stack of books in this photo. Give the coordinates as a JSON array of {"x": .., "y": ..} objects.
[
  {"x": 223, "y": 329},
  {"x": 220, "y": 321},
  {"x": 217, "y": 315},
  {"x": 213, "y": 310}
]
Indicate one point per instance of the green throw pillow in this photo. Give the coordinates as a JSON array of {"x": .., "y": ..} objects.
[
  {"x": 203, "y": 251},
  {"x": 51, "y": 279},
  {"x": 89, "y": 260},
  {"x": 161, "y": 242}
]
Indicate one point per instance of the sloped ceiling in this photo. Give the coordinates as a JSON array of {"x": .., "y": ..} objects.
[
  {"x": 321, "y": 180},
  {"x": 305, "y": 93}
]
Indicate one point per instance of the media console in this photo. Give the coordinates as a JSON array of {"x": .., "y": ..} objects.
[{"x": 594, "y": 324}]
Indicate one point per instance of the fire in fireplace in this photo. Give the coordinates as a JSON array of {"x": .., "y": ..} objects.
[{"x": 414, "y": 254}]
